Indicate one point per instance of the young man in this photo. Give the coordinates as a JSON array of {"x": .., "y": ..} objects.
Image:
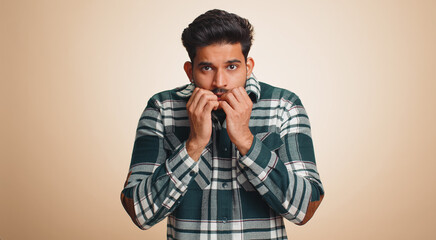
[{"x": 226, "y": 156}]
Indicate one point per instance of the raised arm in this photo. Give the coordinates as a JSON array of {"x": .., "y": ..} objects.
[
  {"x": 281, "y": 166},
  {"x": 159, "y": 173}
]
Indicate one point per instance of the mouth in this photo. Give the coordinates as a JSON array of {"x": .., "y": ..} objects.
[{"x": 219, "y": 92}]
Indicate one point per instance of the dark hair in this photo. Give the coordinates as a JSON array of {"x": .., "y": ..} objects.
[{"x": 217, "y": 26}]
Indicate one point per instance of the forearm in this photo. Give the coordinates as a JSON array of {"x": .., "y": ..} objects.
[
  {"x": 152, "y": 190},
  {"x": 290, "y": 189}
]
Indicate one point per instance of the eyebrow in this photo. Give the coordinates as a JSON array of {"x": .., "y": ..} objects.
[
  {"x": 209, "y": 63},
  {"x": 204, "y": 64},
  {"x": 234, "y": 61}
]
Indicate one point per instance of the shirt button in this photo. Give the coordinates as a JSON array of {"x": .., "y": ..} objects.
[
  {"x": 192, "y": 173},
  {"x": 224, "y": 220},
  {"x": 225, "y": 185},
  {"x": 225, "y": 149}
]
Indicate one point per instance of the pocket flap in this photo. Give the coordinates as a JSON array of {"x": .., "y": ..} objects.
[{"x": 271, "y": 140}]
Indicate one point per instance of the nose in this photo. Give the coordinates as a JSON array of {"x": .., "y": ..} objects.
[{"x": 220, "y": 80}]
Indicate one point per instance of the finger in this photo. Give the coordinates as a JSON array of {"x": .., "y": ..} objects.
[
  {"x": 204, "y": 100},
  {"x": 199, "y": 93},
  {"x": 238, "y": 94},
  {"x": 211, "y": 105},
  {"x": 217, "y": 106},
  {"x": 191, "y": 99},
  {"x": 226, "y": 107},
  {"x": 231, "y": 100},
  {"x": 244, "y": 98},
  {"x": 244, "y": 95}
]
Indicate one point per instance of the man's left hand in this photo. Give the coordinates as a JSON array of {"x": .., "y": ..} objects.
[{"x": 237, "y": 105}]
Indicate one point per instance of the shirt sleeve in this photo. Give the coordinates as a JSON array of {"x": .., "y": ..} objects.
[
  {"x": 281, "y": 166},
  {"x": 158, "y": 177}
]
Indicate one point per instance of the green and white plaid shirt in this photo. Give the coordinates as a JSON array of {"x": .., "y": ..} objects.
[{"x": 224, "y": 195}]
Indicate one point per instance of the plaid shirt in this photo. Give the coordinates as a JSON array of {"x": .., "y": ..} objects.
[{"x": 224, "y": 195}]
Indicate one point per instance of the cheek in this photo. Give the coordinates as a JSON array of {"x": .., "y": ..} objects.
[
  {"x": 239, "y": 80},
  {"x": 202, "y": 81}
]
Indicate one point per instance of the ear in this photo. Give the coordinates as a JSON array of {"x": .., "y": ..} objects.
[
  {"x": 250, "y": 66},
  {"x": 188, "y": 70}
]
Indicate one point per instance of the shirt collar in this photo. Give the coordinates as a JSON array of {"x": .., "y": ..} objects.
[{"x": 252, "y": 88}]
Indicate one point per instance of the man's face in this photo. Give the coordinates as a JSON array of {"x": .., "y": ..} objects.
[{"x": 219, "y": 67}]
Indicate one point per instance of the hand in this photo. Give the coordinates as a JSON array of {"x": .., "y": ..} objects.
[
  {"x": 237, "y": 105},
  {"x": 199, "y": 108}
]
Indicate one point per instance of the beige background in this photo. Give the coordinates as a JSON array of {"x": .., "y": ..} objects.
[{"x": 76, "y": 75}]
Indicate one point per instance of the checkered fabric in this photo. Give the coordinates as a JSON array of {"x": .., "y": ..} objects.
[{"x": 224, "y": 195}]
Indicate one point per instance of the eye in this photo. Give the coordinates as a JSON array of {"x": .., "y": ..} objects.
[
  {"x": 206, "y": 68},
  {"x": 232, "y": 67}
]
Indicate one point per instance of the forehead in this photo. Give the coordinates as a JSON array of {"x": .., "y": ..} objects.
[{"x": 219, "y": 53}]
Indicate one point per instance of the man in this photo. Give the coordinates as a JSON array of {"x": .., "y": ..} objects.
[{"x": 226, "y": 156}]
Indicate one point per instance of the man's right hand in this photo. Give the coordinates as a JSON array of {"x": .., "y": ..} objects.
[{"x": 199, "y": 108}]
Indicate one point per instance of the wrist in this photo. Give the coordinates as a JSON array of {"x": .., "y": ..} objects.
[
  {"x": 245, "y": 145},
  {"x": 194, "y": 149}
]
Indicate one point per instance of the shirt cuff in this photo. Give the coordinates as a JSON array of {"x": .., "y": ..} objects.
[
  {"x": 260, "y": 160},
  {"x": 181, "y": 167}
]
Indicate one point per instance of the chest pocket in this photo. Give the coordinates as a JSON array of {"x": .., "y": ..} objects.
[{"x": 273, "y": 142}]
